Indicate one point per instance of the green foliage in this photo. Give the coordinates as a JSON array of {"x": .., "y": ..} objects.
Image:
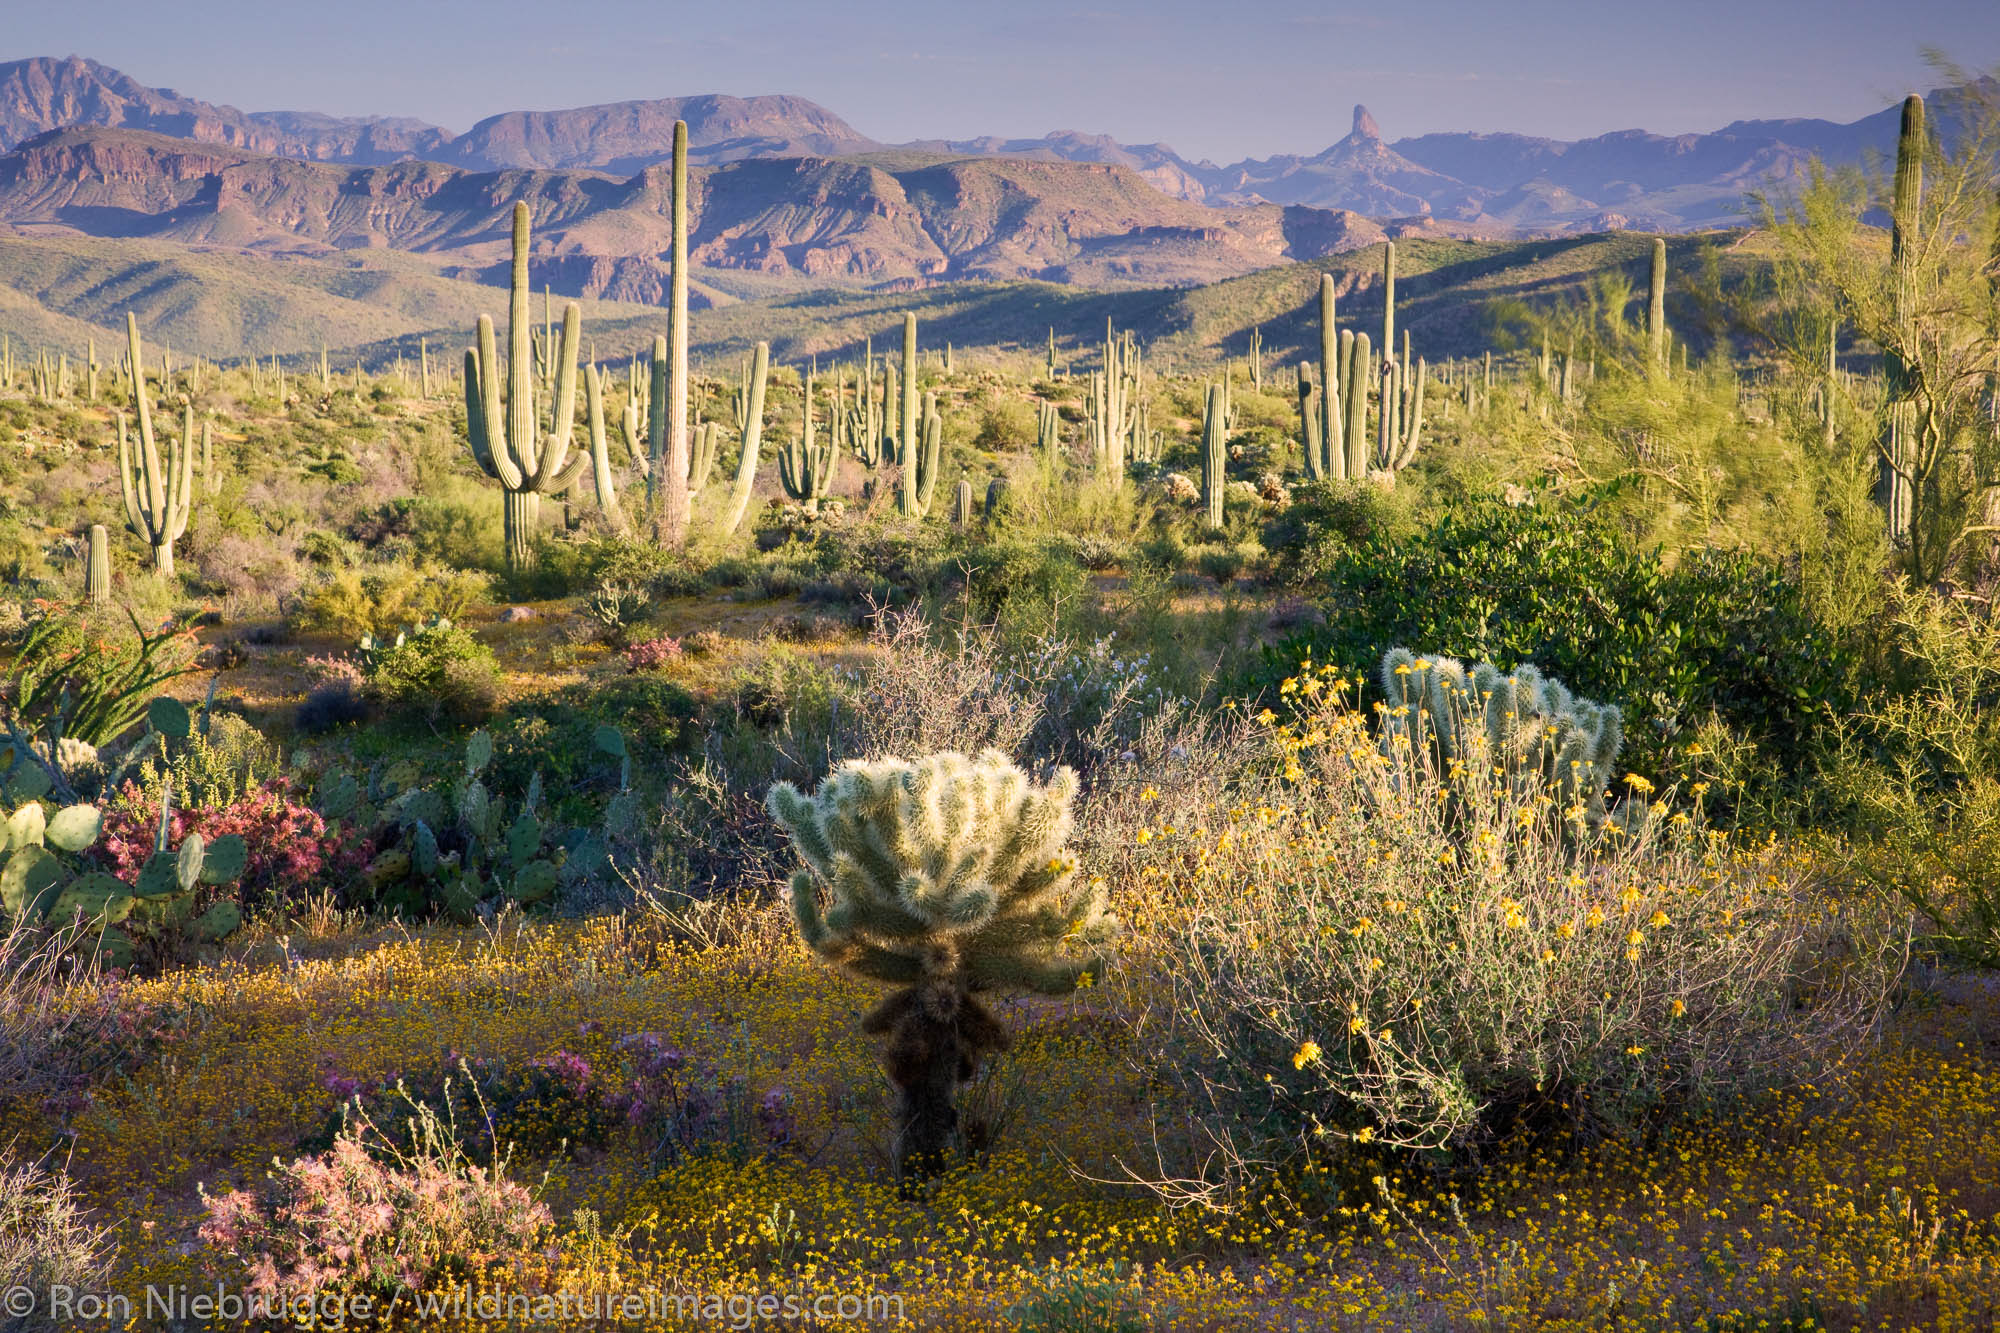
[
  {"x": 449, "y": 848},
  {"x": 1027, "y": 586},
  {"x": 47, "y": 882},
  {"x": 1723, "y": 635},
  {"x": 377, "y": 599},
  {"x": 1914, "y": 774},
  {"x": 94, "y": 683},
  {"x": 440, "y": 671}
]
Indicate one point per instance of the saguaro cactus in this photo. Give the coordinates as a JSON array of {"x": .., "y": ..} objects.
[
  {"x": 1326, "y": 453},
  {"x": 97, "y": 567},
  {"x": 1402, "y": 418},
  {"x": 674, "y": 380},
  {"x": 1656, "y": 307},
  {"x": 805, "y": 468},
  {"x": 1360, "y": 364},
  {"x": 157, "y": 494},
  {"x": 752, "y": 438},
  {"x": 906, "y": 438},
  {"x": 946, "y": 878},
  {"x": 1214, "y": 458},
  {"x": 503, "y": 434},
  {"x": 961, "y": 505},
  {"x": 1895, "y": 485},
  {"x": 600, "y": 447},
  {"x": 1388, "y": 299}
]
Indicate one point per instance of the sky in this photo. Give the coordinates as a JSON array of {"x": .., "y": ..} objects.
[{"x": 1214, "y": 79}]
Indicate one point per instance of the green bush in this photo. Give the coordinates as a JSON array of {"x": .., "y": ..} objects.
[
  {"x": 440, "y": 671},
  {"x": 1723, "y": 636},
  {"x": 1026, "y": 586}
]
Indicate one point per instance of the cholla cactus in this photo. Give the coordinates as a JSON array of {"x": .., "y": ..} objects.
[
  {"x": 945, "y": 877},
  {"x": 1527, "y": 725}
]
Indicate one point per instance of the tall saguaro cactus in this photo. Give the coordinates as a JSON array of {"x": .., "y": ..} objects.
[
  {"x": 674, "y": 517},
  {"x": 752, "y": 438},
  {"x": 1895, "y": 486},
  {"x": 504, "y": 434},
  {"x": 1388, "y": 299},
  {"x": 1656, "y": 308},
  {"x": 1214, "y": 455},
  {"x": 1326, "y": 453},
  {"x": 157, "y": 494},
  {"x": 907, "y": 438}
]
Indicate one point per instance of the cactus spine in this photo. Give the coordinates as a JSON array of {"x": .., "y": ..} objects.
[
  {"x": 805, "y": 468},
  {"x": 157, "y": 494},
  {"x": 1895, "y": 485},
  {"x": 1213, "y": 455},
  {"x": 752, "y": 438},
  {"x": 503, "y": 435},
  {"x": 97, "y": 567},
  {"x": 907, "y": 436}
]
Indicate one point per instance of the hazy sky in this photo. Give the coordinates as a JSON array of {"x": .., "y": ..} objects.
[{"x": 1214, "y": 79}]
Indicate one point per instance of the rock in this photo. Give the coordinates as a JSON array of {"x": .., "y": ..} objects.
[{"x": 516, "y": 614}]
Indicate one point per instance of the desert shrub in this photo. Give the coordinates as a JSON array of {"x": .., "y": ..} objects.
[
  {"x": 543, "y": 1106},
  {"x": 218, "y": 762},
  {"x": 1005, "y": 425},
  {"x": 1028, "y": 587},
  {"x": 442, "y": 532},
  {"x": 293, "y": 851},
  {"x": 1343, "y": 956},
  {"x": 1327, "y": 517},
  {"x": 46, "y": 1237},
  {"x": 61, "y": 1021},
  {"x": 621, "y": 559},
  {"x": 1914, "y": 773},
  {"x": 442, "y": 671},
  {"x": 330, "y": 704},
  {"x": 1722, "y": 635},
  {"x": 376, "y": 1215},
  {"x": 380, "y": 599},
  {"x": 616, "y": 608},
  {"x": 652, "y": 654}
]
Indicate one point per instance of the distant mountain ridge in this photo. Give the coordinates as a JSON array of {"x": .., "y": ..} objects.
[
  {"x": 876, "y": 221},
  {"x": 1629, "y": 178}
]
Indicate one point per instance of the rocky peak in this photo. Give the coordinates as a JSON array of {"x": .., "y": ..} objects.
[{"x": 1365, "y": 128}]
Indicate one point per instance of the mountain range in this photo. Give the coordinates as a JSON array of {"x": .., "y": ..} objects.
[{"x": 1491, "y": 181}]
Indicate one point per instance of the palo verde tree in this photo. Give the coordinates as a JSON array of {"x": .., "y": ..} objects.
[{"x": 1927, "y": 299}]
